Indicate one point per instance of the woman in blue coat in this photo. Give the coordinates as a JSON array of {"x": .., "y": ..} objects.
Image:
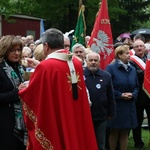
[{"x": 125, "y": 85}]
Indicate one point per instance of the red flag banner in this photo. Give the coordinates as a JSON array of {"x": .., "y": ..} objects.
[
  {"x": 146, "y": 85},
  {"x": 101, "y": 40}
]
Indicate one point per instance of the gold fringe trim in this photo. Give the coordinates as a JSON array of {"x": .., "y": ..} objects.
[{"x": 44, "y": 142}]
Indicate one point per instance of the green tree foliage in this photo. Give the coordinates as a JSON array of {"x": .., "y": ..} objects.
[
  {"x": 125, "y": 15},
  {"x": 130, "y": 15}
]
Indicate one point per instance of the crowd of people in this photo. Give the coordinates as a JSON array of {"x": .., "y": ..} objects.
[{"x": 68, "y": 102}]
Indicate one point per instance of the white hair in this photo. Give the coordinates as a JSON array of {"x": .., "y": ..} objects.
[
  {"x": 26, "y": 49},
  {"x": 90, "y": 53},
  {"x": 77, "y": 45}
]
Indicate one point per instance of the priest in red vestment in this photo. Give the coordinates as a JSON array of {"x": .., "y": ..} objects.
[{"x": 55, "y": 105}]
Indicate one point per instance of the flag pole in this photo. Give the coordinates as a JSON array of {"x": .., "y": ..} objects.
[
  {"x": 100, "y": 3},
  {"x": 80, "y": 29},
  {"x": 80, "y": 3}
]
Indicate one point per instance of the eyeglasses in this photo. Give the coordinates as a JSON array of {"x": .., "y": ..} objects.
[{"x": 14, "y": 50}]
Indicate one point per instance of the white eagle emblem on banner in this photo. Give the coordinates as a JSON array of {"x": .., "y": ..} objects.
[{"x": 101, "y": 44}]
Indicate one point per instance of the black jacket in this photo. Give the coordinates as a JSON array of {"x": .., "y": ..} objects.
[
  {"x": 8, "y": 95},
  {"x": 101, "y": 93}
]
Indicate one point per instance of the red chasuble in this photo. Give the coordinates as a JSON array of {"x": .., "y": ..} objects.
[{"x": 54, "y": 120}]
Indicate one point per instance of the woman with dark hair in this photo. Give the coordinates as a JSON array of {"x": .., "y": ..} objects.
[{"x": 12, "y": 130}]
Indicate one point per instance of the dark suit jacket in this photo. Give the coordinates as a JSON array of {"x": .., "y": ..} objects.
[
  {"x": 8, "y": 95},
  {"x": 101, "y": 94}
]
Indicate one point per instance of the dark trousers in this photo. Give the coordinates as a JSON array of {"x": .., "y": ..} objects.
[
  {"x": 143, "y": 102},
  {"x": 100, "y": 132}
]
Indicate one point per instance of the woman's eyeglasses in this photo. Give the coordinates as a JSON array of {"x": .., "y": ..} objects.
[{"x": 14, "y": 50}]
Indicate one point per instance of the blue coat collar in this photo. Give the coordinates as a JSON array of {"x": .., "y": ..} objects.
[{"x": 119, "y": 65}]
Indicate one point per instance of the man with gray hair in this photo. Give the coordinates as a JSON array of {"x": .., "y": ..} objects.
[
  {"x": 99, "y": 85},
  {"x": 79, "y": 51},
  {"x": 55, "y": 104}
]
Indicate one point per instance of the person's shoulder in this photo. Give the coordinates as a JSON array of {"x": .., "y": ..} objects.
[
  {"x": 86, "y": 71},
  {"x": 50, "y": 61},
  {"x": 106, "y": 73},
  {"x": 111, "y": 65},
  {"x": 2, "y": 65},
  {"x": 112, "y": 68},
  {"x": 47, "y": 63},
  {"x": 132, "y": 67},
  {"x": 77, "y": 62},
  {"x": 132, "y": 64}
]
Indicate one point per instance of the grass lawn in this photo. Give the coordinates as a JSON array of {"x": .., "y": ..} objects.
[{"x": 146, "y": 139}]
